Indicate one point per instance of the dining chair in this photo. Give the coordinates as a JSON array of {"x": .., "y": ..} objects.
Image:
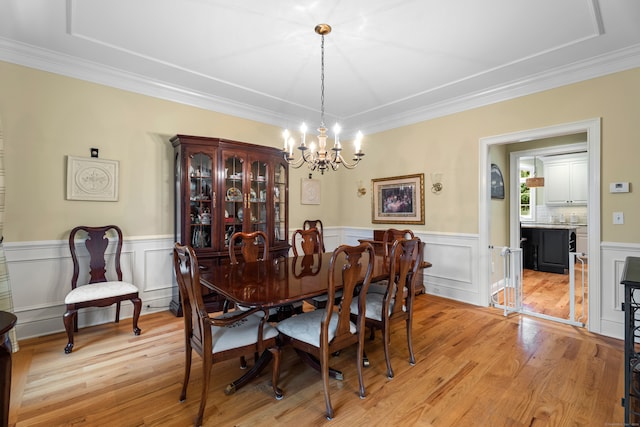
[
  {"x": 254, "y": 246},
  {"x": 391, "y": 235},
  {"x": 396, "y": 303},
  {"x": 220, "y": 338},
  {"x": 315, "y": 223},
  {"x": 99, "y": 291},
  {"x": 310, "y": 242},
  {"x": 251, "y": 246},
  {"x": 388, "y": 238},
  {"x": 322, "y": 332}
]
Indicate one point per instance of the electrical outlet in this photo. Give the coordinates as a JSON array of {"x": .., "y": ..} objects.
[{"x": 618, "y": 218}]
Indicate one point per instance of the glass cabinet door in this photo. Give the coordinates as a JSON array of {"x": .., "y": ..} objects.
[
  {"x": 279, "y": 219},
  {"x": 201, "y": 200},
  {"x": 258, "y": 196},
  {"x": 234, "y": 196}
]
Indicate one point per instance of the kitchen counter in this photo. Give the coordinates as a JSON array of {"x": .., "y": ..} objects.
[{"x": 556, "y": 225}]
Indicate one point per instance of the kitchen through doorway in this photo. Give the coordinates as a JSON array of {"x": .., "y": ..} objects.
[{"x": 546, "y": 153}]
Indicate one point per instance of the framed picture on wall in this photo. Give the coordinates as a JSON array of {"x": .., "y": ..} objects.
[
  {"x": 497, "y": 182},
  {"x": 310, "y": 191},
  {"x": 92, "y": 179},
  {"x": 398, "y": 200}
]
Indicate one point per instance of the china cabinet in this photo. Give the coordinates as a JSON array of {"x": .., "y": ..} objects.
[{"x": 222, "y": 187}]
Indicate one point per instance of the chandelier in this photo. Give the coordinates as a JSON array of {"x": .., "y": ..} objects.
[{"x": 321, "y": 158}]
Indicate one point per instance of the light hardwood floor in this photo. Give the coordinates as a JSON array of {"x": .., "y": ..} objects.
[
  {"x": 548, "y": 293},
  {"x": 475, "y": 367}
]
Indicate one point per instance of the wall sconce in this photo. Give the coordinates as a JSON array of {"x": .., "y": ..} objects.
[
  {"x": 436, "y": 180},
  {"x": 361, "y": 190}
]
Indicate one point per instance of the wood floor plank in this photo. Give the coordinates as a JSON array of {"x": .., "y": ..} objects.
[{"x": 474, "y": 366}]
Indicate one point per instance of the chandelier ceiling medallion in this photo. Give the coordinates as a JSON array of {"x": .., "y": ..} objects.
[{"x": 321, "y": 159}]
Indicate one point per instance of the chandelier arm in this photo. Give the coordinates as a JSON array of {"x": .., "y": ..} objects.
[
  {"x": 348, "y": 165},
  {"x": 296, "y": 164}
]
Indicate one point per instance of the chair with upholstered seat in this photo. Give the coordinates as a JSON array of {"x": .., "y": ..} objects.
[
  {"x": 221, "y": 338},
  {"x": 396, "y": 303},
  {"x": 322, "y": 332},
  {"x": 99, "y": 291},
  {"x": 315, "y": 223}
]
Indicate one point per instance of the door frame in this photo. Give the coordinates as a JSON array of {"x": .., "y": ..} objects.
[{"x": 592, "y": 128}]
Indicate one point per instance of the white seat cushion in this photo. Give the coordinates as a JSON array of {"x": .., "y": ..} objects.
[
  {"x": 374, "y": 301},
  {"x": 379, "y": 287},
  {"x": 241, "y": 333},
  {"x": 94, "y": 291},
  {"x": 306, "y": 326}
]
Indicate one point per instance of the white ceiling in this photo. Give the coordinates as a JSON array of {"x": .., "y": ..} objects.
[{"x": 388, "y": 63}]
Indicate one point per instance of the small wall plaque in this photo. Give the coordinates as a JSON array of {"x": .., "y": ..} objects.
[{"x": 92, "y": 179}]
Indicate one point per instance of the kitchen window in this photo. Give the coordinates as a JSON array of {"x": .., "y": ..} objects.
[{"x": 527, "y": 196}]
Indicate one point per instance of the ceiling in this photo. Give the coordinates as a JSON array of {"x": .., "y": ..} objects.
[{"x": 388, "y": 63}]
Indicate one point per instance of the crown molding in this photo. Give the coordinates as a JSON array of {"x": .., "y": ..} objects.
[{"x": 370, "y": 122}]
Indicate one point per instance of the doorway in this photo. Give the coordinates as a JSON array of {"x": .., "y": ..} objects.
[{"x": 536, "y": 139}]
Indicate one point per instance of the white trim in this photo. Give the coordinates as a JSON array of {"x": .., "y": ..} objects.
[
  {"x": 592, "y": 128},
  {"x": 374, "y": 121}
]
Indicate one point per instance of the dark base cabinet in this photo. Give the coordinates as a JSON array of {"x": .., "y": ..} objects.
[
  {"x": 553, "y": 250},
  {"x": 547, "y": 249}
]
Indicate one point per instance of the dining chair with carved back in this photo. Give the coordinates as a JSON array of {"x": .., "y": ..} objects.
[
  {"x": 396, "y": 303},
  {"x": 254, "y": 246},
  {"x": 315, "y": 223},
  {"x": 310, "y": 242},
  {"x": 319, "y": 333},
  {"x": 216, "y": 339},
  {"x": 91, "y": 248}
]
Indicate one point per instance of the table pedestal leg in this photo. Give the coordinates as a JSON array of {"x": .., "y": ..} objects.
[
  {"x": 315, "y": 364},
  {"x": 259, "y": 365}
]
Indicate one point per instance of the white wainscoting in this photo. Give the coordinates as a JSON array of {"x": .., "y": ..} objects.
[
  {"x": 454, "y": 273},
  {"x": 612, "y": 294},
  {"x": 40, "y": 275}
]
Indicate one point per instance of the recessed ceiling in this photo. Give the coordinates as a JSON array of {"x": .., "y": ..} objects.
[{"x": 388, "y": 63}]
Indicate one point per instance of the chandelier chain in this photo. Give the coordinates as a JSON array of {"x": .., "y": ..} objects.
[{"x": 322, "y": 83}]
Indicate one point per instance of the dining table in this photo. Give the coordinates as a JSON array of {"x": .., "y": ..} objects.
[{"x": 278, "y": 283}]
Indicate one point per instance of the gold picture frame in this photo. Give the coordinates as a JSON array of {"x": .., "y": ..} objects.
[{"x": 398, "y": 200}]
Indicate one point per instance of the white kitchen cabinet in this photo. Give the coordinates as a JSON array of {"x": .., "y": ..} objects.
[{"x": 565, "y": 180}]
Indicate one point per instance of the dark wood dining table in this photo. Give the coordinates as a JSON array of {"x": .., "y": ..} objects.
[{"x": 277, "y": 283}]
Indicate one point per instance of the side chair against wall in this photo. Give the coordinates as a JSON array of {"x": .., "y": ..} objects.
[
  {"x": 319, "y": 333},
  {"x": 396, "y": 303},
  {"x": 315, "y": 223},
  {"x": 221, "y": 338},
  {"x": 99, "y": 292}
]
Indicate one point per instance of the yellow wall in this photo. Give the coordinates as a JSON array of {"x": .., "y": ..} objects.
[
  {"x": 449, "y": 145},
  {"x": 47, "y": 117}
]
